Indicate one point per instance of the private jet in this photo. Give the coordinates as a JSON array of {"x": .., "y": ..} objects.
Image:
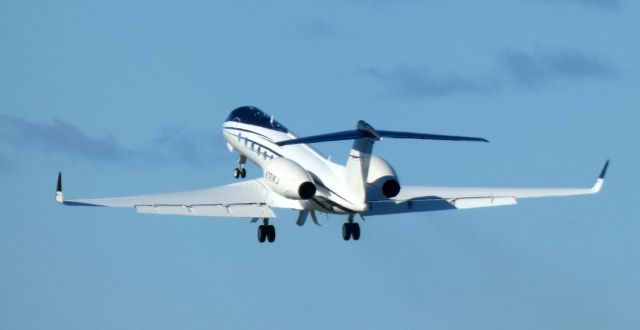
[{"x": 295, "y": 176}]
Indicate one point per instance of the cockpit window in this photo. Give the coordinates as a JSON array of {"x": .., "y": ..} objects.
[{"x": 255, "y": 116}]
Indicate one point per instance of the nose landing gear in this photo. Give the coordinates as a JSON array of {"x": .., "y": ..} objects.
[{"x": 240, "y": 171}]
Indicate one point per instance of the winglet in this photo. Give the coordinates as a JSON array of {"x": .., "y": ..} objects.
[
  {"x": 59, "y": 197},
  {"x": 604, "y": 170},
  {"x": 600, "y": 182}
]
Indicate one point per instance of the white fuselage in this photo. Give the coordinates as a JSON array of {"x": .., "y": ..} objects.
[{"x": 258, "y": 144}]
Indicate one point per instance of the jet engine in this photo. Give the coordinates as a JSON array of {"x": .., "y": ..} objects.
[
  {"x": 383, "y": 177},
  {"x": 289, "y": 179}
]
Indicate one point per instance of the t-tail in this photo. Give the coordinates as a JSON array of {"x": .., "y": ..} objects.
[
  {"x": 357, "y": 167},
  {"x": 364, "y": 136}
]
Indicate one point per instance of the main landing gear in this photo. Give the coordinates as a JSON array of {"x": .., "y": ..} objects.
[
  {"x": 240, "y": 171},
  {"x": 351, "y": 229},
  {"x": 266, "y": 232}
]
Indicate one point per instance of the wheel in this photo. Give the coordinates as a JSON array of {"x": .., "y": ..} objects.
[
  {"x": 236, "y": 173},
  {"x": 271, "y": 233},
  {"x": 355, "y": 231},
  {"x": 243, "y": 173},
  {"x": 346, "y": 231},
  {"x": 262, "y": 233}
]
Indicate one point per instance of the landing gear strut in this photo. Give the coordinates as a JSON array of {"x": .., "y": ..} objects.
[
  {"x": 351, "y": 229},
  {"x": 240, "y": 171},
  {"x": 266, "y": 232}
]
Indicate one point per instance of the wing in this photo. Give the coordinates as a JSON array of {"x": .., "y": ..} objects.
[
  {"x": 422, "y": 199},
  {"x": 247, "y": 199}
]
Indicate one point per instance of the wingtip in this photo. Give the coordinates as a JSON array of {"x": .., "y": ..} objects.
[
  {"x": 603, "y": 173},
  {"x": 59, "y": 196},
  {"x": 600, "y": 182}
]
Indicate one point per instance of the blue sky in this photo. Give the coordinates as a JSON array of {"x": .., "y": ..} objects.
[{"x": 129, "y": 97}]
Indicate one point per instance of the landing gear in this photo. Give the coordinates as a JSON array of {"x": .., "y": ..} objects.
[
  {"x": 240, "y": 172},
  {"x": 346, "y": 231},
  {"x": 262, "y": 233},
  {"x": 266, "y": 232},
  {"x": 355, "y": 231},
  {"x": 351, "y": 230},
  {"x": 271, "y": 233}
]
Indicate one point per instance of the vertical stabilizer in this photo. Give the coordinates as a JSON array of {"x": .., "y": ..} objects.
[{"x": 359, "y": 160}]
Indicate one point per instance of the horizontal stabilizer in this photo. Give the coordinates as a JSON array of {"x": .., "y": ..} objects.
[
  {"x": 338, "y": 136},
  {"x": 365, "y": 131},
  {"x": 422, "y": 136}
]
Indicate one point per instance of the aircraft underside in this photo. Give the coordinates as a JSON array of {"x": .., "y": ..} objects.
[{"x": 297, "y": 177}]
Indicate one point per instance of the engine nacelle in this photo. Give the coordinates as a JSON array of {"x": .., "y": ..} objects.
[
  {"x": 384, "y": 177},
  {"x": 289, "y": 179}
]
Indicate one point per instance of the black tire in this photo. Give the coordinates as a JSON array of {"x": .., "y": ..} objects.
[
  {"x": 271, "y": 233},
  {"x": 346, "y": 231},
  {"x": 355, "y": 231},
  {"x": 236, "y": 173},
  {"x": 262, "y": 233},
  {"x": 243, "y": 173}
]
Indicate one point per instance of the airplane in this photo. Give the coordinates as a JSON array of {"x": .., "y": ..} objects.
[{"x": 297, "y": 177}]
